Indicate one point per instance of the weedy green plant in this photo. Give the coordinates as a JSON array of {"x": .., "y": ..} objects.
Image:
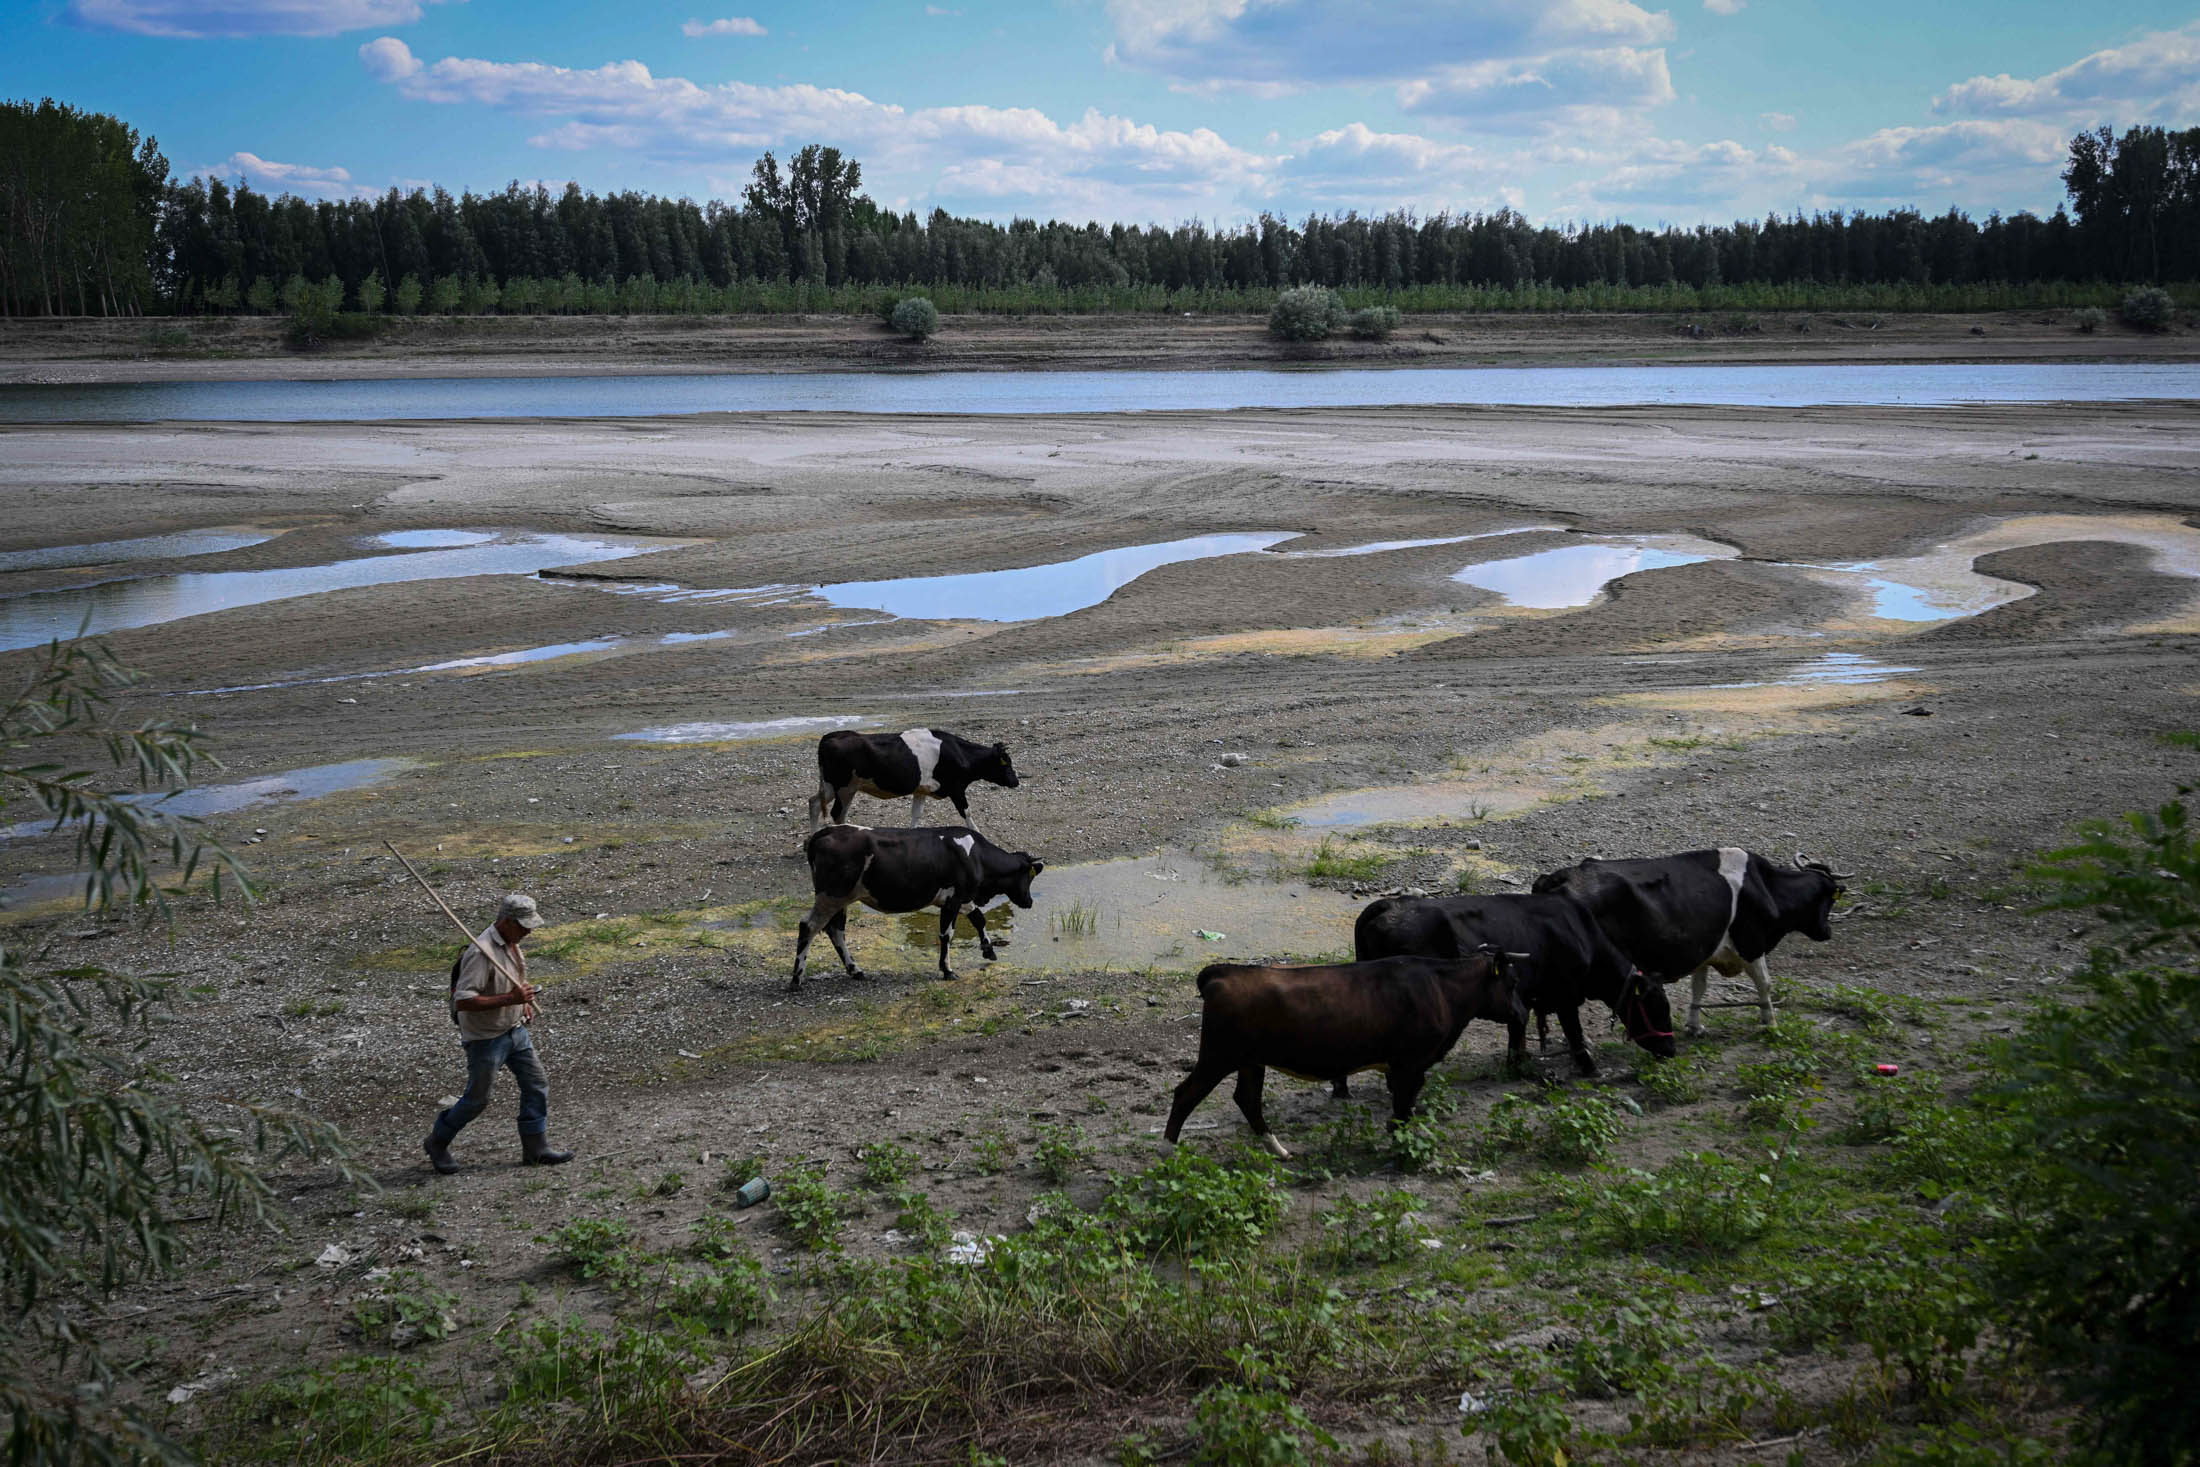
[
  {"x": 1676, "y": 1081},
  {"x": 1256, "y": 1423},
  {"x": 1507, "y": 1128},
  {"x": 1272, "y": 820},
  {"x": 921, "y": 1218},
  {"x": 593, "y": 1247},
  {"x": 1061, "y": 1152},
  {"x": 992, "y": 1153},
  {"x": 361, "y": 1408},
  {"x": 1699, "y": 1203},
  {"x": 1578, "y": 1129},
  {"x": 1898, "y": 1290},
  {"x": 885, "y": 1164},
  {"x": 2150, "y": 308},
  {"x": 809, "y": 1210},
  {"x": 669, "y": 1184},
  {"x": 628, "y": 1373},
  {"x": 404, "y": 1310},
  {"x": 1377, "y": 1230},
  {"x": 725, "y": 1297},
  {"x": 1778, "y": 1092},
  {"x": 1191, "y": 1204},
  {"x": 1626, "y": 1350}
]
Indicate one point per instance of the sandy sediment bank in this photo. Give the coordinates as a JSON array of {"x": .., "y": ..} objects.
[{"x": 244, "y": 348}]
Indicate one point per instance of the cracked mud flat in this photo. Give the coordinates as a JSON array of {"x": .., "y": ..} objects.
[{"x": 1676, "y": 709}]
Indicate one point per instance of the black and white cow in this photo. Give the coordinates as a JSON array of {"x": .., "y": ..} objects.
[
  {"x": 916, "y": 763},
  {"x": 1562, "y": 956},
  {"x": 1689, "y": 913},
  {"x": 944, "y": 866}
]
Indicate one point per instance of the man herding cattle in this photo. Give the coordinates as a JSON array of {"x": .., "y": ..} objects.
[
  {"x": 492, "y": 1003},
  {"x": 914, "y": 764}
]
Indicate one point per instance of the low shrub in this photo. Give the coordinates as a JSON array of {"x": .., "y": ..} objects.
[
  {"x": 1373, "y": 323},
  {"x": 2149, "y": 308},
  {"x": 1308, "y": 313},
  {"x": 2089, "y": 319},
  {"x": 915, "y": 317}
]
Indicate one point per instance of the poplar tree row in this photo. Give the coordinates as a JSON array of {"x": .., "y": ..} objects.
[{"x": 94, "y": 226}]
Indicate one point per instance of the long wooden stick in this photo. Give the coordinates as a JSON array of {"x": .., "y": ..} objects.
[{"x": 473, "y": 938}]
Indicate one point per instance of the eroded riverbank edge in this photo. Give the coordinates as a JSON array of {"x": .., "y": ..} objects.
[{"x": 85, "y": 350}]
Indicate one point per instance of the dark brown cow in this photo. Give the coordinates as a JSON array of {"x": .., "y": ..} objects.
[{"x": 1323, "y": 1022}]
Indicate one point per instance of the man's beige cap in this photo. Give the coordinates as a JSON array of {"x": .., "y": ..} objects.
[{"x": 520, "y": 909}]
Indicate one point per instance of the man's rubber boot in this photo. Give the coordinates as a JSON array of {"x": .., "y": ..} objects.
[
  {"x": 535, "y": 1150},
  {"x": 439, "y": 1154}
]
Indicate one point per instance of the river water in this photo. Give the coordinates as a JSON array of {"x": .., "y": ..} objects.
[{"x": 636, "y": 395}]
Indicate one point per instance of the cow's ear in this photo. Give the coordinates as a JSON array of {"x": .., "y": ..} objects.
[
  {"x": 999, "y": 747},
  {"x": 1037, "y": 867}
]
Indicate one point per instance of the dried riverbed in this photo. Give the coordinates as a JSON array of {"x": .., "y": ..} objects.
[{"x": 1192, "y": 746}]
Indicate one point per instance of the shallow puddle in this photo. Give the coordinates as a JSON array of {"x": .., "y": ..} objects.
[
  {"x": 523, "y": 656},
  {"x": 1942, "y": 585},
  {"x": 1377, "y": 547},
  {"x": 728, "y": 733},
  {"x": 1445, "y": 803},
  {"x": 149, "y": 547},
  {"x": 432, "y": 539},
  {"x": 1146, "y": 910},
  {"x": 1030, "y": 593},
  {"x": 312, "y": 783},
  {"x": 1572, "y": 575},
  {"x": 1845, "y": 667},
  {"x": 39, "y": 616}
]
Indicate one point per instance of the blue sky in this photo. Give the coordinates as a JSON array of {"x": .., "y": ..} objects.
[{"x": 1156, "y": 110}]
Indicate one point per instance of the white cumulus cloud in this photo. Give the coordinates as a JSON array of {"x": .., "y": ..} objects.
[
  {"x": 1016, "y": 155},
  {"x": 1778, "y": 121},
  {"x": 1570, "y": 87},
  {"x": 198, "y": 18},
  {"x": 1725, "y": 7},
  {"x": 732, "y": 25},
  {"x": 2155, "y": 76},
  {"x": 1310, "y": 42},
  {"x": 269, "y": 176}
]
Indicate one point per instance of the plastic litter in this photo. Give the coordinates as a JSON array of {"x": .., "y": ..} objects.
[
  {"x": 1886, "y": 1069},
  {"x": 1205, "y": 936},
  {"x": 751, "y": 1192}
]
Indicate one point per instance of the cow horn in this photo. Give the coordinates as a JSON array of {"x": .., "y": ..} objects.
[{"x": 1803, "y": 860}]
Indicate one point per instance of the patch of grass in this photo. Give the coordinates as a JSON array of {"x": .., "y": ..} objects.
[
  {"x": 669, "y": 1184},
  {"x": 313, "y": 1008},
  {"x": 1335, "y": 861},
  {"x": 359, "y": 1408},
  {"x": 414, "y": 1204},
  {"x": 1079, "y": 919},
  {"x": 1676, "y": 1081},
  {"x": 1272, "y": 820}
]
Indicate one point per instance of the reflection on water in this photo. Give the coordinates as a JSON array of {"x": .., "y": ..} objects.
[
  {"x": 726, "y": 733},
  {"x": 1572, "y": 575},
  {"x": 221, "y": 799},
  {"x": 149, "y": 547},
  {"x": 1410, "y": 804},
  {"x": 36, "y": 617},
  {"x": 1152, "y": 909},
  {"x": 1884, "y": 383},
  {"x": 432, "y": 539},
  {"x": 1031, "y": 592},
  {"x": 1376, "y": 547}
]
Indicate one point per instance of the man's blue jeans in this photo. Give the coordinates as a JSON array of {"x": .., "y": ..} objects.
[{"x": 514, "y": 1049}]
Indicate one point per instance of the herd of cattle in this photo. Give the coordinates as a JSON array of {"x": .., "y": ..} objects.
[{"x": 1611, "y": 931}]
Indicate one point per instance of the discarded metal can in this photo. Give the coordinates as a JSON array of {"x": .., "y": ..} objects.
[
  {"x": 1886, "y": 1069},
  {"x": 751, "y": 1192}
]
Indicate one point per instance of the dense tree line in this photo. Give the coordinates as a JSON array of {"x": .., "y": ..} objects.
[
  {"x": 805, "y": 237},
  {"x": 80, "y": 196}
]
